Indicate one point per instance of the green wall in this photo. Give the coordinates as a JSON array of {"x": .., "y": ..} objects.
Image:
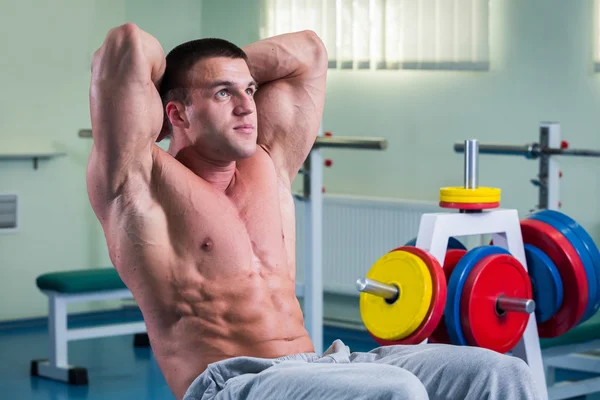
[
  {"x": 44, "y": 76},
  {"x": 542, "y": 69}
]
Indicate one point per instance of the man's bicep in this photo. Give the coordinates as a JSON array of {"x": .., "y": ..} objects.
[{"x": 289, "y": 116}]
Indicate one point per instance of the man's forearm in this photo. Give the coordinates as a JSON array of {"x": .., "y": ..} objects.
[{"x": 285, "y": 56}]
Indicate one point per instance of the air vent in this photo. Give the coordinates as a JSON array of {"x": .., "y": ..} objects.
[{"x": 8, "y": 212}]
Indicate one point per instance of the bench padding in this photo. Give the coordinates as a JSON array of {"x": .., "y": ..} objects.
[
  {"x": 82, "y": 281},
  {"x": 589, "y": 330}
]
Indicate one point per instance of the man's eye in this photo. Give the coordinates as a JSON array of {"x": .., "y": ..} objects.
[
  {"x": 222, "y": 94},
  {"x": 250, "y": 91}
]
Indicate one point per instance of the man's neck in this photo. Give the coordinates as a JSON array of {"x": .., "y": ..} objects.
[{"x": 219, "y": 174}]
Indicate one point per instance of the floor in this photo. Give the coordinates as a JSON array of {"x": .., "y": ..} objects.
[{"x": 116, "y": 369}]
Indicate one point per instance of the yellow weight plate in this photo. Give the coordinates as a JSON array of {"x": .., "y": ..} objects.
[
  {"x": 466, "y": 196},
  {"x": 398, "y": 320}
]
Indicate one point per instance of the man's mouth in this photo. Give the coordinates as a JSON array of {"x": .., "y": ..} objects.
[{"x": 245, "y": 128}]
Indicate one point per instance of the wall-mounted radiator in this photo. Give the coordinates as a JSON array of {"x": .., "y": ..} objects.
[
  {"x": 9, "y": 213},
  {"x": 356, "y": 232}
]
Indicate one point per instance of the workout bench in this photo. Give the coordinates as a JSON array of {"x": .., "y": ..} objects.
[{"x": 63, "y": 288}]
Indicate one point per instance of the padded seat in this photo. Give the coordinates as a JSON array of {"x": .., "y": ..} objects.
[
  {"x": 588, "y": 331},
  {"x": 81, "y": 281}
]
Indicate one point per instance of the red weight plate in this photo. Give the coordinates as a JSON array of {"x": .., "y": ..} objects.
[
  {"x": 469, "y": 206},
  {"x": 571, "y": 270},
  {"x": 492, "y": 277},
  {"x": 438, "y": 301},
  {"x": 440, "y": 334}
]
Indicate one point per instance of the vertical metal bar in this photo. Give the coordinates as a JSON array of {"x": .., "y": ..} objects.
[
  {"x": 57, "y": 331},
  {"x": 313, "y": 272},
  {"x": 553, "y": 182},
  {"x": 471, "y": 167},
  {"x": 543, "y": 174}
]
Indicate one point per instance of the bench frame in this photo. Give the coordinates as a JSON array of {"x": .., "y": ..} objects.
[
  {"x": 57, "y": 366},
  {"x": 572, "y": 357}
]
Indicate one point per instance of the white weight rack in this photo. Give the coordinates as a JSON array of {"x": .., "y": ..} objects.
[{"x": 437, "y": 228}]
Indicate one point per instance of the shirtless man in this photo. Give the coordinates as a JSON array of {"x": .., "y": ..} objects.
[{"x": 203, "y": 234}]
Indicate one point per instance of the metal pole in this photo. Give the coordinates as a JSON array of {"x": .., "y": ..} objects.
[
  {"x": 572, "y": 152},
  {"x": 544, "y": 165},
  {"x": 371, "y": 286},
  {"x": 313, "y": 240},
  {"x": 527, "y": 150},
  {"x": 345, "y": 142},
  {"x": 351, "y": 142},
  {"x": 532, "y": 150},
  {"x": 471, "y": 167},
  {"x": 512, "y": 304},
  {"x": 551, "y": 131}
]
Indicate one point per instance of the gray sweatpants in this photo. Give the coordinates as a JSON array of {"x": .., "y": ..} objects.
[{"x": 426, "y": 371}]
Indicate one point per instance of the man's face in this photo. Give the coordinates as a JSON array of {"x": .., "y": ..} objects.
[{"x": 222, "y": 113}]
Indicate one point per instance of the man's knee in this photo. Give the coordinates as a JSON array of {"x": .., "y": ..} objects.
[
  {"x": 490, "y": 362},
  {"x": 391, "y": 382},
  {"x": 514, "y": 369},
  {"x": 359, "y": 381},
  {"x": 500, "y": 375}
]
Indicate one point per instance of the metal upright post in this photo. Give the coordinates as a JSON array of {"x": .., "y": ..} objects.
[
  {"x": 471, "y": 168},
  {"x": 57, "y": 332},
  {"x": 313, "y": 242},
  {"x": 549, "y": 175}
]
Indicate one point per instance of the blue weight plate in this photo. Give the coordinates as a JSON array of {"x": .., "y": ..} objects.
[
  {"x": 455, "y": 288},
  {"x": 453, "y": 244},
  {"x": 584, "y": 256},
  {"x": 545, "y": 280},
  {"x": 587, "y": 240}
]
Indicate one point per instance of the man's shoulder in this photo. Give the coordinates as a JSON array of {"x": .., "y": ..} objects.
[{"x": 261, "y": 166}]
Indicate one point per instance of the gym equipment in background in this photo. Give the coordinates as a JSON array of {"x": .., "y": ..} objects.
[
  {"x": 470, "y": 283},
  {"x": 547, "y": 149}
]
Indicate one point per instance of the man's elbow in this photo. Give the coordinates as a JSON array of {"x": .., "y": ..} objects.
[{"x": 316, "y": 57}]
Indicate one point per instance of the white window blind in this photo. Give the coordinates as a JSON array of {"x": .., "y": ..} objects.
[{"x": 389, "y": 34}]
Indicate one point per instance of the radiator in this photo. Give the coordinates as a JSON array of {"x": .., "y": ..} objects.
[{"x": 356, "y": 232}]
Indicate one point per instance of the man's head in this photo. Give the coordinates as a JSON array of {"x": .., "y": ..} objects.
[{"x": 208, "y": 97}]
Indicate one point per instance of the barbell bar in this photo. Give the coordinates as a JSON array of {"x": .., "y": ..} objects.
[
  {"x": 512, "y": 304},
  {"x": 345, "y": 142},
  {"x": 391, "y": 293},
  {"x": 385, "y": 290},
  {"x": 470, "y": 197},
  {"x": 530, "y": 150}
]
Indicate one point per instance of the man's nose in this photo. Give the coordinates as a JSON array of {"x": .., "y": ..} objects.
[{"x": 244, "y": 106}]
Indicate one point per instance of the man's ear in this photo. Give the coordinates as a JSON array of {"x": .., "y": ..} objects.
[
  {"x": 174, "y": 116},
  {"x": 175, "y": 113}
]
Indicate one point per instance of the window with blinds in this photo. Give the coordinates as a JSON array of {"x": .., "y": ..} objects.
[{"x": 389, "y": 34}]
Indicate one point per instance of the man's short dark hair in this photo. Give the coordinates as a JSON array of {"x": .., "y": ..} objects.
[{"x": 182, "y": 58}]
